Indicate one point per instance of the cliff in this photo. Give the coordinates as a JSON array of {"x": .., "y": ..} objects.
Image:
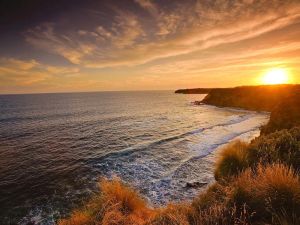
[
  {"x": 194, "y": 91},
  {"x": 261, "y": 98}
]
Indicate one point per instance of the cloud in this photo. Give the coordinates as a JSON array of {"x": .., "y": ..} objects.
[
  {"x": 185, "y": 28},
  {"x": 15, "y": 72},
  {"x": 149, "y": 6},
  {"x": 242, "y": 58}
]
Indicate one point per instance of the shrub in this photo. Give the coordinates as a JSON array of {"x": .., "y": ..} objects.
[
  {"x": 233, "y": 159},
  {"x": 282, "y": 147},
  {"x": 279, "y": 147}
]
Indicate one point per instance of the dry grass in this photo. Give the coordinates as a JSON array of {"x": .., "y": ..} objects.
[
  {"x": 116, "y": 205},
  {"x": 268, "y": 190},
  {"x": 221, "y": 214},
  {"x": 78, "y": 218},
  {"x": 233, "y": 159},
  {"x": 172, "y": 215}
]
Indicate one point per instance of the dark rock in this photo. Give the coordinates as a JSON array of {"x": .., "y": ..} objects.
[
  {"x": 197, "y": 103},
  {"x": 195, "y": 184}
]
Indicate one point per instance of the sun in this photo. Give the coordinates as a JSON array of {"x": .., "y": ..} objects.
[{"x": 276, "y": 76}]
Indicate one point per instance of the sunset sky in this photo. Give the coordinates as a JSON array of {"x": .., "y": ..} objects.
[{"x": 94, "y": 45}]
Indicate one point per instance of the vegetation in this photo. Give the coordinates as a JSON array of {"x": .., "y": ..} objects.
[
  {"x": 233, "y": 159},
  {"x": 116, "y": 204},
  {"x": 280, "y": 147}
]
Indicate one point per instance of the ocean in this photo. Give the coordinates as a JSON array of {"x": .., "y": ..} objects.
[{"x": 54, "y": 148}]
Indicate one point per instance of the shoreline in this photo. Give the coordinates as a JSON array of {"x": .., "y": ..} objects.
[{"x": 248, "y": 170}]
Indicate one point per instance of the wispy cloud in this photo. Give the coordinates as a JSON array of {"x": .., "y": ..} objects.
[
  {"x": 149, "y": 6},
  {"x": 255, "y": 58},
  {"x": 185, "y": 28},
  {"x": 28, "y": 72}
]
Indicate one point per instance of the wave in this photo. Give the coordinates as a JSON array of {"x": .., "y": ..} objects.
[{"x": 146, "y": 145}]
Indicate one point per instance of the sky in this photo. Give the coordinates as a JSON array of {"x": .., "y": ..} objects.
[{"x": 110, "y": 45}]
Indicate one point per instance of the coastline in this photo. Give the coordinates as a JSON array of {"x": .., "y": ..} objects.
[{"x": 242, "y": 172}]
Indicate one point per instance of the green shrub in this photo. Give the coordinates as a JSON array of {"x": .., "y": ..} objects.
[{"x": 282, "y": 147}]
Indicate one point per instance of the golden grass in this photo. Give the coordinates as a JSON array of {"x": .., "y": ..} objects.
[
  {"x": 268, "y": 190},
  {"x": 221, "y": 214},
  {"x": 232, "y": 160},
  {"x": 172, "y": 214},
  {"x": 78, "y": 218},
  {"x": 116, "y": 205}
]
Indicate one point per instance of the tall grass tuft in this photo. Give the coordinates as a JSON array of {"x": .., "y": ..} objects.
[
  {"x": 233, "y": 160},
  {"x": 171, "y": 215},
  {"x": 268, "y": 190},
  {"x": 116, "y": 204}
]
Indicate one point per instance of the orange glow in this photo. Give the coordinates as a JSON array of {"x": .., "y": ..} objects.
[{"x": 276, "y": 76}]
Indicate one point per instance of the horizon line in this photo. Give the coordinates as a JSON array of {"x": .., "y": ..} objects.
[{"x": 74, "y": 92}]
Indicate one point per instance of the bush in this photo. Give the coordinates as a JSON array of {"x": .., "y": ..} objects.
[
  {"x": 279, "y": 147},
  {"x": 233, "y": 159},
  {"x": 282, "y": 147}
]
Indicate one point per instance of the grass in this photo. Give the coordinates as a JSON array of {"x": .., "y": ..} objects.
[
  {"x": 267, "y": 190},
  {"x": 278, "y": 147},
  {"x": 233, "y": 159},
  {"x": 172, "y": 214},
  {"x": 116, "y": 204},
  {"x": 257, "y": 183}
]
